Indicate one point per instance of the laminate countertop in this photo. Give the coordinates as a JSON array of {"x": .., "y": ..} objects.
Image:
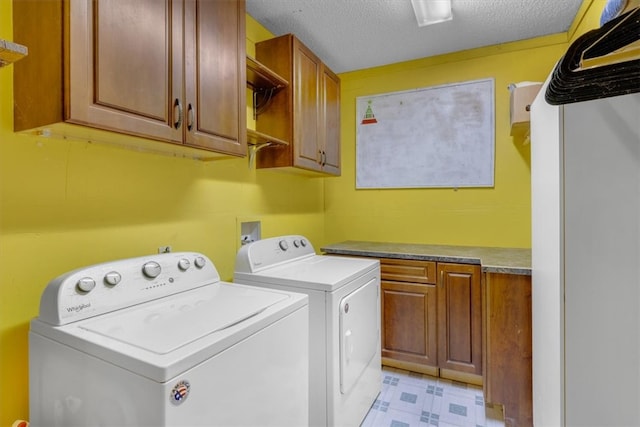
[{"x": 493, "y": 260}]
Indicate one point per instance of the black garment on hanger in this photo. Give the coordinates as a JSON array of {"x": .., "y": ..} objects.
[{"x": 570, "y": 84}]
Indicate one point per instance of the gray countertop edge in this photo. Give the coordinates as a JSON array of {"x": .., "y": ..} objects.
[{"x": 487, "y": 267}]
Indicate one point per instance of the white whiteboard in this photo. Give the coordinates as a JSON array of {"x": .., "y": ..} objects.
[{"x": 441, "y": 136}]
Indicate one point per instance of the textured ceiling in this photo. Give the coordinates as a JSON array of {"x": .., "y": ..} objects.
[{"x": 355, "y": 34}]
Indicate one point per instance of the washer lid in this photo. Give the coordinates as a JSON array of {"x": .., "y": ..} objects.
[
  {"x": 319, "y": 272},
  {"x": 165, "y": 325}
]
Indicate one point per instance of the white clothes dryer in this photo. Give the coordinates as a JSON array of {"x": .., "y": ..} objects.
[
  {"x": 344, "y": 321},
  {"x": 161, "y": 341}
]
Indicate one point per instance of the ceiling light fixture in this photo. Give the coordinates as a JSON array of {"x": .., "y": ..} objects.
[{"x": 432, "y": 11}]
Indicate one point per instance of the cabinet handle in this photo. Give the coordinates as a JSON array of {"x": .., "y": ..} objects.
[
  {"x": 189, "y": 117},
  {"x": 441, "y": 278},
  {"x": 323, "y": 158},
  {"x": 178, "y": 122}
]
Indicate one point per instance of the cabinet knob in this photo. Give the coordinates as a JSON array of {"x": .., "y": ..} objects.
[{"x": 178, "y": 105}]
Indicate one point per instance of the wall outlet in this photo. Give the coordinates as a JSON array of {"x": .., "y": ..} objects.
[{"x": 164, "y": 249}]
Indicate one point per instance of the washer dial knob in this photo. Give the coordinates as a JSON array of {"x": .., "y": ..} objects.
[
  {"x": 303, "y": 242},
  {"x": 86, "y": 284},
  {"x": 112, "y": 278},
  {"x": 296, "y": 243},
  {"x": 283, "y": 245},
  {"x": 184, "y": 264},
  {"x": 199, "y": 262},
  {"x": 151, "y": 269}
]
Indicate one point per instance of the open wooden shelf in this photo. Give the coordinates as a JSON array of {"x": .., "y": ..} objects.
[
  {"x": 260, "y": 77},
  {"x": 264, "y": 83},
  {"x": 259, "y": 138}
]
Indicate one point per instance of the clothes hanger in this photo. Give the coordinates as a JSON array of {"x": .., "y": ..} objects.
[
  {"x": 600, "y": 63},
  {"x": 628, "y": 52}
]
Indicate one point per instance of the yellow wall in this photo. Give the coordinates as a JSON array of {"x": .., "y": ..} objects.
[
  {"x": 498, "y": 216},
  {"x": 66, "y": 204}
]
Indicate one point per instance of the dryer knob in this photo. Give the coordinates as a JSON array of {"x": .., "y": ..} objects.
[
  {"x": 303, "y": 243},
  {"x": 112, "y": 278},
  {"x": 86, "y": 284},
  {"x": 199, "y": 262},
  {"x": 283, "y": 245},
  {"x": 184, "y": 264},
  {"x": 296, "y": 243},
  {"x": 151, "y": 269}
]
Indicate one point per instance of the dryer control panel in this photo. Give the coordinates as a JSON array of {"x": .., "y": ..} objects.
[
  {"x": 101, "y": 288},
  {"x": 267, "y": 253}
]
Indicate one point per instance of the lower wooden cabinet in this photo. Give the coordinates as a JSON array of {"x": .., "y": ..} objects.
[
  {"x": 460, "y": 322},
  {"x": 432, "y": 318},
  {"x": 508, "y": 347},
  {"x": 409, "y": 331}
]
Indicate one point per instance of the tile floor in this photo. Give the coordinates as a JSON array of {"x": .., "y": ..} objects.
[{"x": 409, "y": 399}]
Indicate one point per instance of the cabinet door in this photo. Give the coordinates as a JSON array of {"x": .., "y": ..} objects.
[
  {"x": 508, "y": 348},
  {"x": 409, "y": 322},
  {"x": 306, "y": 118},
  {"x": 215, "y": 75},
  {"x": 459, "y": 318},
  {"x": 330, "y": 122},
  {"x": 125, "y": 66}
]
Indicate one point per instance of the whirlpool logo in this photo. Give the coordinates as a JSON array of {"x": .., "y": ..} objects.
[{"x": 78, "y": 308}]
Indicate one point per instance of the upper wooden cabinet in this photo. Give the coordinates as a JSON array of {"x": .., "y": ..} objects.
[
  {"x": 166, "y": 70},
  {"x": 306, "y": 113},
  {"x": 330, "y": 121}
]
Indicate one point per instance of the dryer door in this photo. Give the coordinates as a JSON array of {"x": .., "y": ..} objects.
[{"x": 359, "y": 332}]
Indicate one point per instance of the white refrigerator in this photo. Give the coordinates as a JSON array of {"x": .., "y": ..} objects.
[{"x": 585, "y": 177}]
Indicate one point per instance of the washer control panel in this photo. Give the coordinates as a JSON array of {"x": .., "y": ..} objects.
[
  {"x": 267, "y": 253},
  {"x": 101, "y": 288}
]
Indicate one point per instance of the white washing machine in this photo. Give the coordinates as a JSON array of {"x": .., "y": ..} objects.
[
  {"x": 344, "y": 321},
  {"x": 161, "y": 341}
]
